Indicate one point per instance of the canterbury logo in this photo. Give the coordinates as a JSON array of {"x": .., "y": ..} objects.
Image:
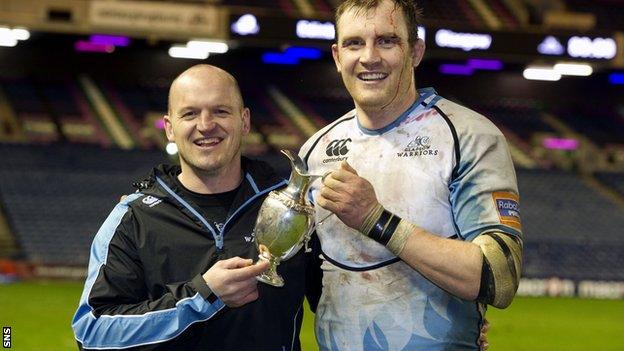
[
  {"x": 338, "y": 147},
  {"x": 151, "y": 201}
]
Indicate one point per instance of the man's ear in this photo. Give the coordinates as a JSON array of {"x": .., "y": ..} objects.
[
  {"x": 336, "y": 56},
  {"x": 418, "y": 51},
  {"x": 246, "y": 116},
  {"x": 169, "y": 129}
]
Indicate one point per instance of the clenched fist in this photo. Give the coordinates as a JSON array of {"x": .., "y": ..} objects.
[{"x": 348, "y": 195}]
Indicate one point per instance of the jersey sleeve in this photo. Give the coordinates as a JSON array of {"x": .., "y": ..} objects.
[
  {"x": 483, "y": 189},
  {"x": 115, "y": 309}
]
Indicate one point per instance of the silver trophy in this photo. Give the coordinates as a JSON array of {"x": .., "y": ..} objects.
[{"x": 284, "y": 221}]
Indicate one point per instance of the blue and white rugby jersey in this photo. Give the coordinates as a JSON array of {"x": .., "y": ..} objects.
[{"x": 444, "y": 168}]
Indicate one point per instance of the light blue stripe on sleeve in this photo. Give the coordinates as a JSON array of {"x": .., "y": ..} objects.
[{"x": 123, "y": 331}]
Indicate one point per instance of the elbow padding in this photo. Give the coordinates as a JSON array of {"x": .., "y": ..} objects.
[{"x": 502, "y": 265}]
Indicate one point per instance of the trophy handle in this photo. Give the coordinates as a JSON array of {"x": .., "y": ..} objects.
[
  {"x": 304, "y": 243},
  {"x": 307, "y": 238}
]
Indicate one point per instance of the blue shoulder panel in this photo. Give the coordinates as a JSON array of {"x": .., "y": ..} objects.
[{"x": 123, "y": 331}]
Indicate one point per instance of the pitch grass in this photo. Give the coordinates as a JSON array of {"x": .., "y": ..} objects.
[{"x": 39, "y": 314}]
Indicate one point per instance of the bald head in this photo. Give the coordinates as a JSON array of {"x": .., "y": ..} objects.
[
  {"x": 207, "y": 121},
  {"x": 202, "y": 72}
]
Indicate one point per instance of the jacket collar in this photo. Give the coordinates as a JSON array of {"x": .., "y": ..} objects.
[{"x": 258, "y": 178}]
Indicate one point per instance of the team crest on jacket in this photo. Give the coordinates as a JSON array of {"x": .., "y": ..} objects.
[
  {"x": 337, "y": 150},
  {"x": 419, "y": 146}
]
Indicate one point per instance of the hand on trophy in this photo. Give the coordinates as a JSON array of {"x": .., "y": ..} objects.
[
  {"x": 348, "y": 195},
  {"x": 234, "y": 280}
]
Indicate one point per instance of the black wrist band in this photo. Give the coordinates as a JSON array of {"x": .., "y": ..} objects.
[
  {"x": 377, "y": 231},
  {"x": 390, "y": 229}
]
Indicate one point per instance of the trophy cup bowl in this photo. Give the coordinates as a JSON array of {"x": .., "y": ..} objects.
[{"x": 284, "y": 221}]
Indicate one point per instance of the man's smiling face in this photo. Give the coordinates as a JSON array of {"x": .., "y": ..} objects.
[
  {"x": 207, "y": 121},
  {"x": 374, "y": 57}
]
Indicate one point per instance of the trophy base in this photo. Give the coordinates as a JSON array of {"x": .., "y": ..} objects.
[
  {"x": 271, "y": 280},
  {"x": 270, "y": 276}
]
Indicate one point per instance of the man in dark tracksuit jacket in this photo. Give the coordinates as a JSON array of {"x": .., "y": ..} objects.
[
  {"x": 154, "y": 294},
  {"x": 171, "y": 267}
]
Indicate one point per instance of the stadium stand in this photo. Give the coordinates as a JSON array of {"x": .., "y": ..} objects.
[
  {"x": 609, "y": 13},
  {"x": 523, "y": 117},
  {"x": 615, "y": 180},
  {"x": 506, "y": 15},
  {"x": 258, "y": 3},
  {"x": 30, "y": 110},
  {"x": 600, "y": 125},
  {"x": 271, "y": 121},
  {"x": 132, "y": 123},
  {"x": 53, "y": 110},
  {"x": 451, "y": 12},
  {"x": 57, "y": 196},
  {"x": 329, "y": 107},
  {"x": 141, "y": 99},
  {"x": 287, "y": 7},
  {"x": 571, "y": 231}
]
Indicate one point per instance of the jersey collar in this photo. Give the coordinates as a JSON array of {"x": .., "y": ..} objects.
[{"x": 426, "y": 98}]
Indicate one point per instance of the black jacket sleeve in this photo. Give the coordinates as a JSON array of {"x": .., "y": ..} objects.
[{"x": 116, "y": 310}]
